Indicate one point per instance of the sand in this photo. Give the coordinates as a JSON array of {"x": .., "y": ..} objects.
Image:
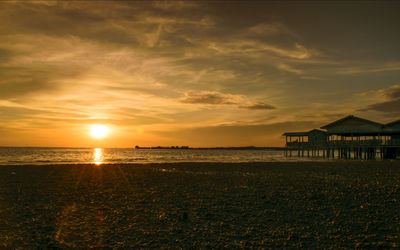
[{"x": 344, "y": 204}]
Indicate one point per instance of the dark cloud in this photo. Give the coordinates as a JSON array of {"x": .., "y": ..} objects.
[
  {"x": 258, "y": 106},
  {"x": 392, "y": 106},
  {"x": 209, "y": 97},
  {"x": 392, "y": 93},
  {"x": 217, "y": 98}
]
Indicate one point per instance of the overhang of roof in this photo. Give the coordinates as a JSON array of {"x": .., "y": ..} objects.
[
  {"x": 304, "y": 133},
  {"x": 350, "y": 133},
  {"x": 316, "y": 131}
]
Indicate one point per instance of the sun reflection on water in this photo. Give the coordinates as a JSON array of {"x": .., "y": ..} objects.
[{"x": 98, "y": 156}]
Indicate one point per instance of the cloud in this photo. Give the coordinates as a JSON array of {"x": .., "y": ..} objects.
[
  {"x": 270, "y": 29},
  {"x": 258, "y": 106},
  {"x": 217, "y": 98},
  {"x": 288, "y": 68},
  {"x": 355, "y": 68},
  {"x": 385, "y": 107},
  {"x": 136, "y": 63},
  {"x": 254, "y": 48},
  {"x": 392, "y": 92},
  {"x": 392, "y": 97},
  {"x": 210, "y": 97},
  {"x": 389, "y": 93}
]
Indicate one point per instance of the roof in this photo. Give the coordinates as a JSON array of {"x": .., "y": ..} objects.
[
  {"x": 316, "y": 130},
  {"x": 392, "y": 128},
  {"x": 303, "y": 133},
  {"x": 352, "y": 117},
  {"x": 392, "y": 123}
]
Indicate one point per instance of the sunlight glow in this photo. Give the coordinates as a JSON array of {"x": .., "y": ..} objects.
[
  {"x": 98, "y": 156},
  {"x": 99, "y": 131}
]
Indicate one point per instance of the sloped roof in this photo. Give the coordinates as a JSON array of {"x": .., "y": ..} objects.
[
  {"x": 392, "y": 127},
  {"x": 303, "y": 133},
  {"x": 352, "y": 117},
  {"x": 316, "y": 130},
  {"x": 392, "y": 123}
]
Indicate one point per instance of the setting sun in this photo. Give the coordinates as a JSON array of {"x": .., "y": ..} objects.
[{"x": 99, "y": 131}]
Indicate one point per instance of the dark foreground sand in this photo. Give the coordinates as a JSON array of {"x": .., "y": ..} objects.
[{"x": 201, "y": 205}]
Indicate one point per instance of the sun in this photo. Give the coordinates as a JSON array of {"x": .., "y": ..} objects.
[{"x": 99, "y": 131}]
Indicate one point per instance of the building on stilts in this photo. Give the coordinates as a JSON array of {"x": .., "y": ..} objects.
[{"x": 348, "y": 138}]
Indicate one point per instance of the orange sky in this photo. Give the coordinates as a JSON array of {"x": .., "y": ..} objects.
[{"x": 192, "y": 73}]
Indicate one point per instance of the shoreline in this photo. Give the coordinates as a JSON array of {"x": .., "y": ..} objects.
[{"x": 306, "y": 161}]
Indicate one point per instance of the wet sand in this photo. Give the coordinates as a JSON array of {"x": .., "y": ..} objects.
[{"x": 202, "y": 205}]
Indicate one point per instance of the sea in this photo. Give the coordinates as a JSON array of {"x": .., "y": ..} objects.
[{"x": 41, "y": 156}]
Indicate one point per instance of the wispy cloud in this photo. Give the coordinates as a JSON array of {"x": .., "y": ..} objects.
[
  {"x": 210, "y": 97},
  {"x": 270, "y": 29},
  {"x": 288, "y": 68},
  {"x": 258, "y": 106},
  {"x": 254, "y": 48},
  {"x": 362, "y": 68}
]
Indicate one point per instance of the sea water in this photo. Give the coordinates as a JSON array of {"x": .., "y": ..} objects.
[{"x": 40, "y": 156}]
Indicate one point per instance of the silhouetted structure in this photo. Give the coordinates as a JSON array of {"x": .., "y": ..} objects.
[
  {"x": 349, "y": 137},
  {"x": 311, "y": 142}
]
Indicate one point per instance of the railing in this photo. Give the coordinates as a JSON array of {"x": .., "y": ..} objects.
[
  {"x": 305, "y": 144},
  {"x": 296, "y": 144},
  {"x": 360, "y": 143},
  {"x": 345, "y": 143},
  {"x": 364, "y": 143}
]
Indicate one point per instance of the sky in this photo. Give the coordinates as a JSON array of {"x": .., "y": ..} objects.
[{"x": 196, "y": 73}]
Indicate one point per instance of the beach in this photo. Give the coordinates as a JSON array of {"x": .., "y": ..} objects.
[{"x": 338, "y": 204}]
